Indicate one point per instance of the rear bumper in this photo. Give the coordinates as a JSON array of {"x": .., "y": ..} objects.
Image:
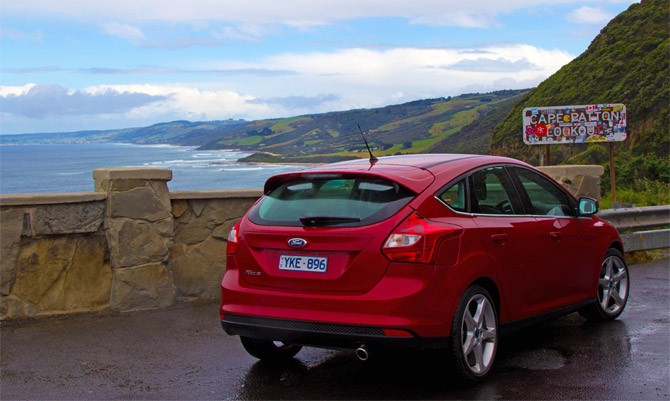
[
  {"x": 413, "y": 303},
  {"x": 328, "y": 335}
]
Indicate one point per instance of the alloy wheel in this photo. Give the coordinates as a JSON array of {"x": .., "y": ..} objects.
[
  {"x": 478, "y": 334},
  {"x": 613, "y": 285}
]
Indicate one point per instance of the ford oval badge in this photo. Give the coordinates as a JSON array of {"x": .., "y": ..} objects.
[{"x": 297, "y": 242}]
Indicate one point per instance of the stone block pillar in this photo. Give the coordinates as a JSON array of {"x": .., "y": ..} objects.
[
  {"x": 139, "y": 230},
  {"x": 579, "y": 180}
]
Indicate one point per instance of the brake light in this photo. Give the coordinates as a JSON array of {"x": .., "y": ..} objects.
[
  {"x": 233, "y": 242},
  {"x": 415, "y": 238}
]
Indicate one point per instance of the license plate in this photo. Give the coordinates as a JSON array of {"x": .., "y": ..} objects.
[{"x": 314, "y": 264}]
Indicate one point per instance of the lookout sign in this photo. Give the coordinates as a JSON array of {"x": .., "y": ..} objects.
[{"x": 574, "y": 124}]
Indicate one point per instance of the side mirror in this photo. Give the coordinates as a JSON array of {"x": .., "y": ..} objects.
[{"x": 587, "y": 206}]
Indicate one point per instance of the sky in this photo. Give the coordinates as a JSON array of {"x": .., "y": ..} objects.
[{"x": 72, "y": 65}]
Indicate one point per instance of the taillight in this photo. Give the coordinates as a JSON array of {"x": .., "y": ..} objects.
[
  {"x": 415, "y": 238},
  {"x": 233, "y": 242}
]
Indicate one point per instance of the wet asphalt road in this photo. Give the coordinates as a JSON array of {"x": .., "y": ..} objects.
[{"x": 182, "y": 353}]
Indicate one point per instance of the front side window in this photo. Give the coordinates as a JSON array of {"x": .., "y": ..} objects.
[
  {"x": 340, "y": 202},
  {"x": 494, "y": 193},
  {"x": 545, "y": 197}
]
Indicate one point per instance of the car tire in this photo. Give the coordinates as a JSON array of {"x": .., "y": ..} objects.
[
  {"x": 474, "y": 334},
  {"x": 267, "y": 350},
  {"x": 613, "y": 289}
]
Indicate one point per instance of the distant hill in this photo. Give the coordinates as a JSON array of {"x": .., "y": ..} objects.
[
  {"x": 628, "y": 62},
  {"x": 162, "y": 133},
  {"x": 406, "y": 128},
  {"x": 412, "y": 127}
]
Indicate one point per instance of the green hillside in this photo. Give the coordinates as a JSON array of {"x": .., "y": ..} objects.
[
  {"x": 406, "y": 128},
  {"x": 628, "y": 62},
  {"x": 475, "y": 137}
]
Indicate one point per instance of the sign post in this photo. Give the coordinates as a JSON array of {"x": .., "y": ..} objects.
[
  {"x": 612, "y": 175},
  {"x": 547, "y": 157},
  {"x": 564, "y": 125}
]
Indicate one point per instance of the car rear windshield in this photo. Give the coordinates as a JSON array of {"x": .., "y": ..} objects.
[{"x": 339, "y": 202}]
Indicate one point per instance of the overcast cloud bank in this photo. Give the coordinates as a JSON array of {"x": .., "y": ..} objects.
[{"x": 96, "y": 65}]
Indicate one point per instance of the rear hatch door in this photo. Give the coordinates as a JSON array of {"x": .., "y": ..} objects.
[{"x": 321, "y": 234}]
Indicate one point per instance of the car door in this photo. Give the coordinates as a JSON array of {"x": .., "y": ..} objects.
[
  {"x": 512, "y": 240},
  {"x": 562, "y": 234}
]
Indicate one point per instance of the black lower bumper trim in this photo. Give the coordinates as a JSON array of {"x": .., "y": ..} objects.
[{"x": 320, "y": 334}]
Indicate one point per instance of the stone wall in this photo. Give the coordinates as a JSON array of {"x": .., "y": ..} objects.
[
  {"x": 202, "y": 221},
  {"x": 54, "y": 256},
  {"x": 132, "y": 244}
]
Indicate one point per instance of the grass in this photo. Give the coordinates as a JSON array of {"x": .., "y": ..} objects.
[
  {"x": 646, "y": 193},
  {"x": 634, "y": 258},
  {"x": 249, "y": 140},
  {"x": 457, "y": 121},
  {"x": 284, "y": 125}
]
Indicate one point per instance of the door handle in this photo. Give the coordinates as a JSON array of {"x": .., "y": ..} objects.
[
  {"x": 499, "y": 238},
  {"x": 555, "y": 235}
]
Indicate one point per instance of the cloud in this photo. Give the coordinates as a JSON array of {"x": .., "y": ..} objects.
[
  {"x": 180, "y": 43},
  {"x": 41, "y": 101},
  {"x": 465, "y": 19},
  {"x": 248, "y": 32},
  {"x": 313, "y": 82},
  {"x": 298, "y": 102},
  {"x": 36, "y": 70},
  {"x": 124, "y": 31},
  {"x": 135, "y": 36},
  {"x": 418, "y": 68},
  {"x": 492, "y": 65},
  {"x": 143, "y": 70},
  {"x": 293, "y": 13},
  {"x": 153, "y": 70},
  {"x": 15, "y": 34},
  {"x": 189, "y": 103},
  {"x": 589, "y": 15}
]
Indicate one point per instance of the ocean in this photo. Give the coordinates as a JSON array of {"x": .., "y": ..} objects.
[{"x": 69, "y": 167}]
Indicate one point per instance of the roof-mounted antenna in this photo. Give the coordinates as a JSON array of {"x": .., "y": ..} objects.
[{"x": 372, "y": 157}]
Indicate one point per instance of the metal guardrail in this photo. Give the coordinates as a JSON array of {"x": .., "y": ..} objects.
[{"x": 641, "y": 221}]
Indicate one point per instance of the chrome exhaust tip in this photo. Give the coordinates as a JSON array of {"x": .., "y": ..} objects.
[{"x": 362, "y": 353}]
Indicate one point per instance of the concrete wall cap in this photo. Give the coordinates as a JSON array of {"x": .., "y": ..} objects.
[
  {"x": 49, "y": 199},
  {"x": 217, "y": 194},
  {"x": 591, "y": 169},
  {"x": 133, "y": 173}
]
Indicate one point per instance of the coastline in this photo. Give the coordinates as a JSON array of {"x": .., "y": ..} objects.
[{"x": 57, "y": 168}]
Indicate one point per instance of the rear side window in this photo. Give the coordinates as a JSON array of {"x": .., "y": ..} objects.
[
  {"x": 455, "y": 197},
  {"x": 339, "y": 202}
]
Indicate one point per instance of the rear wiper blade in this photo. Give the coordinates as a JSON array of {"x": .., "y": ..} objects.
[{"x": 326, "y": 220}]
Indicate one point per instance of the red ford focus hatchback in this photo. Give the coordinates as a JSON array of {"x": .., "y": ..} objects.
[{"x": 417, "y": 251}]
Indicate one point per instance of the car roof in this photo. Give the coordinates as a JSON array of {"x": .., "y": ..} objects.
[
  {"x": 430, "y": 162},
  {"x": 415, "y": 172}
]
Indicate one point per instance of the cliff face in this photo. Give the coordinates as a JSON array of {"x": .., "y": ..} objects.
[{"x": 628, "y": 62}]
